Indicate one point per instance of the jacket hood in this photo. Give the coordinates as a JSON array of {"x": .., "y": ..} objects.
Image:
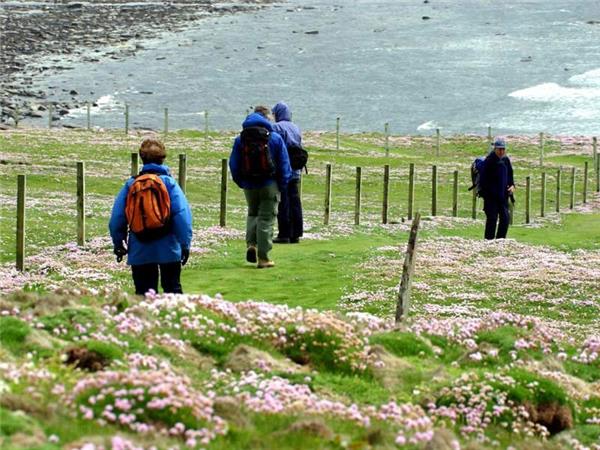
[
  {"x": 281, "y": 111},
  {"x": 257, "y": 120}
]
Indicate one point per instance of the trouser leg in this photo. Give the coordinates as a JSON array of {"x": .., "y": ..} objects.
[
  {"x": 283, "y": 215},
  {"x": 504, "y": 215},
  {"x": 145, "y": 277},
  {"x": 170, "y": 278},
  {"x": 490, "y": 207},
  {"x": 267, "y": 211},
  {"x": 295, "y": 207},
  {"x": 253, "y": 202}
]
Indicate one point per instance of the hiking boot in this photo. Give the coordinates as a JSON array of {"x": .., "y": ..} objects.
[
  {"x": 251, "y": 254},
  {"x": 265, "y": 263},
  {"x": 280, "y": 240}
]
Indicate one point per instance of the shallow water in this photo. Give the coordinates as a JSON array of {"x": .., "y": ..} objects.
[{"x": 522, "y": 66}]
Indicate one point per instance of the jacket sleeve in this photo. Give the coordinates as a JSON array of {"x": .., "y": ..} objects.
[
  {"x": 282, "y": 160},
  {"x": 234, "y": 162},
  {"x": 181, "y": 216},
  {"x": 117, "y": 224}
]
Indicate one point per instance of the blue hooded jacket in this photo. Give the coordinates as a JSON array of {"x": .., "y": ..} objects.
[
  {"x": 496, "y": 177},
  {"x": 160, "y": 251},
  {"x": 288, "y": 130},
  {"x": 278, "y": 152}
]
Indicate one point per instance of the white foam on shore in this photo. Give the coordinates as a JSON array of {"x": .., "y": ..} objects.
[
  {"x": 590, "y": 78},
  {"x": 553, "y": 92},
  {"x": 105, "y": 104},
  {"x": 430, "y": 125}
]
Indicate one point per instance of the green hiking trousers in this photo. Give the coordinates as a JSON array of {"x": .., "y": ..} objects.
[{"x": 262, "y": 211}]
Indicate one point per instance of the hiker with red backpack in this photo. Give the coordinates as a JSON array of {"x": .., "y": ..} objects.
[
  {"x": 289, "y": 214},
  {"x": 151, "y": 223},
  {"x": 260, "y": 165},
  {"x": 496, "y": 185}
]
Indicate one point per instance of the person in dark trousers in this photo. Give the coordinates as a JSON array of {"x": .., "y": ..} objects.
[
  {"x": 262, "y": 196},
  {"x": 167, "y": 254},
  {"x": 289, "y": 213},
  {"x": 497, "y": 185}
]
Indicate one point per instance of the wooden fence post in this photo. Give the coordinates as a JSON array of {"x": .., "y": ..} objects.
[
  {"x": 337, "y": 133},
  {"x": 543, "y": 196},
  {"x": 80, "y": 203},
  {"x": 595, "y": 150},
  {"x": 328, "y": 183},
  {"x": 489, "y": 134},
  {"x": 17, "y": 116},
  {"x": 182, "y": 171},
  {"x": 572, "y": 194},
  {"x": 386, "y": 129},
  {"x": 455, "y": 195},
  {"x": 434, "y": 186},
  {"x": 585, "y": 181},
  {"x": 89, "y": 116},
  {"x": 528, "y": 199},
  {"x": 437, "y": 142},
  {"x": 135, "y": 170},
  {"x": 50, "y": 113},
  {"x": 357, "y": 198},
  {"x": 474, "y": 205},
  {"x": 126, "y": 118},
  {"x": 166, "y": 126},
  {"x": 542, "y": 149},
  {"x": 403, "y": 301},
  {"x": 205, "y": 130},
  {"x": 597, "y": 173},
  {"x": 411, "y": 190},
  {"x": 386, "y": 193},
  {"x": 558, "y": 188},
  {"x": 20, "y": 262},
  {"x": 223, "y": 214}
]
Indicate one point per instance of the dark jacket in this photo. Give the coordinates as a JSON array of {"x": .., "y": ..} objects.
[
  {"x": 288, "y": 130},
  {"x": 166, "y": 249},
  {"x": 278, "y": 151},
  {"x": 496, "y": 177}
]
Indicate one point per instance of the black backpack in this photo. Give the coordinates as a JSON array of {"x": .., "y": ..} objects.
[
  {"x": 298, "y": 157},
  {"x": 476, "y": 168},
  {"x": 257, "y": 164}
]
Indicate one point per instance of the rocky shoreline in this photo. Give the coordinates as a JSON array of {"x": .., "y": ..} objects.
[{"x": 83, "y": 30}]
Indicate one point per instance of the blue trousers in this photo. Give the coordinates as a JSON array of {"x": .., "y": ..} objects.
[
  {"x": 289, "y": 212},
  {"x": 496, "y": 212}
]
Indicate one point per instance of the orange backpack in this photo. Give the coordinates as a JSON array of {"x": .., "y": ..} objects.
[{"x": 148, "y": 207}]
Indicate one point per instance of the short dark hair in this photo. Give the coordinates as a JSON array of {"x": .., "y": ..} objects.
[
  {"x": 262, "y": 110},
  {"x": 152, "y": 151}
]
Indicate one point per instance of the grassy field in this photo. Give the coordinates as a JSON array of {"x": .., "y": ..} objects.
[{"x": 501, "y": 346}]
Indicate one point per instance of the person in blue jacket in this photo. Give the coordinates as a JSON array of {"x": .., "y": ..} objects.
[
  {"x": 497, "y": 185},
  {"x": 262, "y": 196},
  {"x": 289, "y": 214},
  {"x": 166, "y": 254}
]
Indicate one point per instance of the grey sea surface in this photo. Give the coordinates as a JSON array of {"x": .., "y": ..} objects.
[{"x": 521, "y": 66}]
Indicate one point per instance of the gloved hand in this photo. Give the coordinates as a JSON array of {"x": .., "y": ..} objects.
[
  {"x": 185, "y": 254},
  {"x": 120, "y": 251}
]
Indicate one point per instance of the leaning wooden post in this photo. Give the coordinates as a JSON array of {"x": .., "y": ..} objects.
[
  {"x": 182, "y": 171},
  {"x": 455, "y": 195},
  {"x": 89, "y": 116},
  {"x": 474, "y": 205},
  {"x": 411, "y": 190},
  {"x": 595, "y": 150},
  {"x": 50, "y": 112},
  {"x": 558, "y": 188},
  {"x": 585, "y": 181},
  {"x": 572, "y": 193},
  {"x": 223, "y": 214},
  {"x": 166, "y": 126},
  {"x": 528, "y": 199},
  {"x": 337, "y": 133},
  {"x": 357, "y": 196},
  {"x": 434, "y": 186},
  {"x": 437, "y": 142},
  {"x": 81, "y": 203},
  {"x": 403, "y": 301},
  {"x": 386, "y": 128},
  {"x": 134, "y": 164},
  {"x": 543, "y": 196},
  {"x": 20, "y": 222},
  {"x": 542, "y": 149},
  {"x": 386, "y": 194},
  {"x": 126, "y": 118},
  {"x": 327, "y": 194}
]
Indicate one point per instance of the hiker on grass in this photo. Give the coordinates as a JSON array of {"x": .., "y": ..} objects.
[
  {"x": 497, "y": 185},
  {"x": 289, "y": 214},
  {"x": 151, "y": 223},
  {"x": 260, "y": 166}
]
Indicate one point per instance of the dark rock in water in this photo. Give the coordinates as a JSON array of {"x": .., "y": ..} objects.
[
  {"x": 63, "y": 112},
  {"x": 425, "y": 1},
  {"x": 72, "y": 127},
  {"x": 527, "y": 59},
  {"x": 73, "y": 92},
  {"x": 75, "y": 5},
  {"x": 146, "y": 92},
  {"x": 34, "y": 114},
  {"x": 426, "y": 18},
  {"x": 593, "y": 22},
  {"x": 312, "y": 32},
  {"x": 160, "y": 58}
]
